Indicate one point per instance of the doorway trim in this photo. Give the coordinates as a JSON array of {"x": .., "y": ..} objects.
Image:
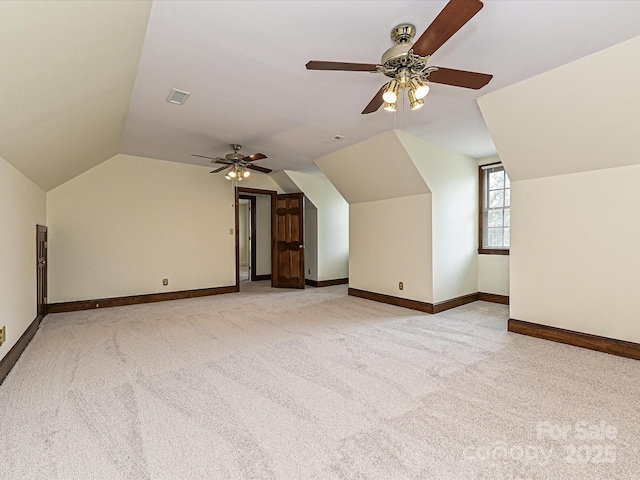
[
  {"x": 252, "y": 235},
  {"x": 41, "y": 271},
  {"x": 255, "y": 191}
]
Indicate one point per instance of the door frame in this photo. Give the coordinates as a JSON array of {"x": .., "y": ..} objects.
[
  {"x": 41, "y": 272},
  {"x": 255, "y": 191}
]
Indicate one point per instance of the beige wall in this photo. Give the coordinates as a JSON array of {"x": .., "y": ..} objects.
[
  {"x": 22, "y": 207},
  {"x": 570, "y": 148},
  {"x": 123, "y": 226},
  {"x": 390, "y": 242},
  {"x": 493, "y": 274},
  {"x": 422, "y": 229},
  {"x": 453, "y": 181},
  {"x": 575, "y": 252}
]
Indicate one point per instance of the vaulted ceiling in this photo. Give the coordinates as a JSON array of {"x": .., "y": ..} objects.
[{"x": 83, "y": 81}]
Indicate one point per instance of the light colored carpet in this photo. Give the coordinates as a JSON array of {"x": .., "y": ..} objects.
[{"x": 285, "y": 384}]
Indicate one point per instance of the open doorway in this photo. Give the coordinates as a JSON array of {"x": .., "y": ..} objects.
[
  {"x": 246, "y": 234},
  {"x": 254, "y": 243},
  {"x": 280, "y": 238}
]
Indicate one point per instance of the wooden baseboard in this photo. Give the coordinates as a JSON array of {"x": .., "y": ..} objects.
[
  {"x": 391, "y": 300},
  {"x": 454, "y": 302},
  {"x": 137, "y": 299},
  {"x": 10, "y": 359},
  {"x": 578, "y": 339},
  {"x": 429, "y": 307},
  {"x": 259, "y": 278},
  {"x": 494, "y": 298},
  {"x": 326, "y": 283}
]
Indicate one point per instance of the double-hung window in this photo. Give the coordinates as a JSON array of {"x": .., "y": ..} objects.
[{"x": 495, "y": 215}]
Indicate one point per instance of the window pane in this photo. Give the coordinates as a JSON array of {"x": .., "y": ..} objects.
[
  {"x": 496, "y": 199},
  {"x": 495, "y": 237},
  {"x": 495, "y": 218},
  {"x": 496, "y": 180},
  {"x": 507, "y": 237},
  {"x": 507, "y": 182},
  {"x": 507, "y": 217},
  {"x": 507, "y": 198}
]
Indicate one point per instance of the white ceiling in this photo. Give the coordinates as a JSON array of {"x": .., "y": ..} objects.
[{"x": 243, "y": 63}]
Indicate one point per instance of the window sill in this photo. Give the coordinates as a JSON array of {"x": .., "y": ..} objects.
[{"x": 493, "y": 251}]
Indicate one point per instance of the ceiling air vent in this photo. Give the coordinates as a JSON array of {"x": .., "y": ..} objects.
[
  {"x": 333, "y": 139},
  {"x": 178, "y": 96}
]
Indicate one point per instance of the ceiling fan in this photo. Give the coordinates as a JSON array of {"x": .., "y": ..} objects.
[
  {"x": 238, "y": 164},
  {"x": 406, "y": 62}
]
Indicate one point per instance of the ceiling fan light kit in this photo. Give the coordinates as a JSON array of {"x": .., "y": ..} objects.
[
  {"x": 390, "y": 107},
  {"x": 406, "y": 62},
  {"x": 236, "y": 164}
]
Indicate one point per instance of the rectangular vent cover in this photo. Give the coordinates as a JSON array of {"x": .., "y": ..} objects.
[{"x": 178, "y": 96}]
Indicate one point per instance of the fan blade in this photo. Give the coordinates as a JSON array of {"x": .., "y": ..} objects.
[
  {"x": 451, "y": 19},
  {"x": 254, "y": 157},
  {"x": 342, "y": 66},
  {"x": 202, "y": 156},
  {"x": 376, "y": 102},
  {"x": 223, "y": 161},
  {"x": 460, "y": 78},
  {"x": 259, "y": 169},
  {"x": 219, "y": 169}
]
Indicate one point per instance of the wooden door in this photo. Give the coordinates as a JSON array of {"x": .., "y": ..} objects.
[
  {"x": 41, "y": 268},
  {"x": 289, "y": 241}
]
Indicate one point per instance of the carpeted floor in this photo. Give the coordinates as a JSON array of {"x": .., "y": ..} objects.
[{"x": 313, "y": 384}]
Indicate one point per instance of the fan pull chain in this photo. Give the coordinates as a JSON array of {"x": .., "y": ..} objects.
[{"x": 403, "y": 99}]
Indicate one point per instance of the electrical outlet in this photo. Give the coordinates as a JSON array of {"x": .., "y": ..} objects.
[
  {"x": 231, "y": 231},
  {"x": 401, "y": 286},
  {"x": 3, "y": 334},
  {"x": 165, "y": 281}
]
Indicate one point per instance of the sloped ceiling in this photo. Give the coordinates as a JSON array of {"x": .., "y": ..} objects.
[
  {"x": 582, "y": 116},
  {"x": 68, "y": 70},
  {"x": 376, "y": 169}
]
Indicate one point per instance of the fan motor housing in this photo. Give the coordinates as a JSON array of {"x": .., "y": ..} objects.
[{"x": 400, "y": 55}]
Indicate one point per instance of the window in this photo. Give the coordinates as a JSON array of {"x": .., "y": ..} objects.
[{"x": 495, "y": 214}]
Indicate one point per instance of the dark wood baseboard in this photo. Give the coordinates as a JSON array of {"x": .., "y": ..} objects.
[
  {"x": 391, "y": 300},
  {"x": 10, "y": 359},
  {"x": 137, "y": 299},
  {"x": 494, "y": 298},
  {"x": 585, "y": 340},
  {"x": 429, "y": 307},
  {"x": 454, "y": 302},
  {"x": 260, "y": 278},
  {"x": 326, "y": 283}
]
